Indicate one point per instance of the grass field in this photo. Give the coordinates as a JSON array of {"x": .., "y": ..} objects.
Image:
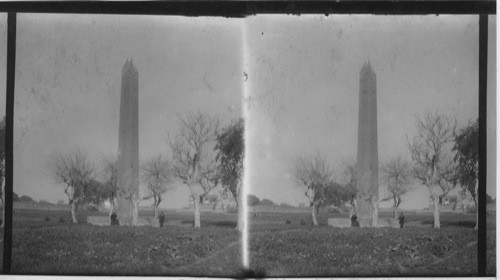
[
  {"x": 279, "y": 249},
  {"x": 49, "y": 247},
  {"x": 42, "y": 245}
]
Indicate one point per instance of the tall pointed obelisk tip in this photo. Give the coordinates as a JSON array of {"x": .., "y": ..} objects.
[{"x": 129, "y": 63}]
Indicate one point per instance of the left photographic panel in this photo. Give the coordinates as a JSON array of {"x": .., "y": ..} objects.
[{"x": 127, "y": 145}]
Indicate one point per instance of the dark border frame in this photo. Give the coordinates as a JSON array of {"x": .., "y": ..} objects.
[
  {"x": 481, "y": 195},
  {"x": 246, "y": 8},
  {"x": 243, "y": 9}
]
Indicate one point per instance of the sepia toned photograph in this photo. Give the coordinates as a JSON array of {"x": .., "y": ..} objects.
[
  {"x": 362, "y": 145},
  {"x": 128, "y": 145}
]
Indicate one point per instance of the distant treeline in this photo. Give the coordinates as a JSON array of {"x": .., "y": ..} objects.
[
  {"x": 27, "y": 198},
  {"x": 254, "y": 200}
]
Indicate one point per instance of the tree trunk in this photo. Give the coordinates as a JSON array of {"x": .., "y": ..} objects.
[
  {"x": 196, "y": 201},
  {"x": 314, "y": 214},
  {"x": 395, "y": 208},
  {"x": 155, "y": 208},
  {"x": 135, "y": 213},
  {"x": 374, "y": 214},
  {"x": 112, "y": 208},
  {"x": 435, "y": 200},
  {"x": 239, "y": 224},
  {"x": 73, "y": 212}
]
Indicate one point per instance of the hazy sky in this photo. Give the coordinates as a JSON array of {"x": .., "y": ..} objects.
[
  {"x": 301, "y": 92},
  {"x": 68, "y": 75},
  {"x": 304, "y": 86}
]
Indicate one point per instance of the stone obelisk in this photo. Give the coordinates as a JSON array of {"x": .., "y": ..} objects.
[
  {"x": 128, "y": 144},
  {"x": 367, "y": 158}
]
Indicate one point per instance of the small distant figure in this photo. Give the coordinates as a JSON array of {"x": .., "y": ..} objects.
[
  {"x": 354, "y": 220},
  {"x": 288, "y": 222},
  {"x": 302, "y": 223},
  {"x": 47, "y": 219},
  {"x": 114, "y": 219},
  {"x": 62, "y": 221},
  {"x": 401, "y": 219},
  {"x": 161, "y": 219}
]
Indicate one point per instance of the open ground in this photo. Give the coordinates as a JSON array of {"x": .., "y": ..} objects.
[
  {"x": 280, "y": 249},
  {"x": 42, "y": 246}
]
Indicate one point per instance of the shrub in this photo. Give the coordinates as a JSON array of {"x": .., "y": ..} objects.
[
  {"x": 470, "y": 208},
  {"x": 91, "y": 208},
  {"x": 332, "y": 210},
  {"x": 231, "y": 209}
]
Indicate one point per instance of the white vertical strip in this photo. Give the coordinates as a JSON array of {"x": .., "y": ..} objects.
[{"x": 246, "y": 166}]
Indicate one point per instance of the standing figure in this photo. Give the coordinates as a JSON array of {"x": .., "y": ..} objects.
[
  {"x": 401, "y": 219},
  {"x": 354, "y": 220},
  {"x": 114, "y": 219},
  {"x": 161, "y": 219}
]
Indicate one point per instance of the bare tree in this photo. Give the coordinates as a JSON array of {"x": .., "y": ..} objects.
[
  {"x": 396, "y": 173},
  {"x": 157, "y": 175},
  {"x": 375, "y": 203},
  {"x": 352, "y": 192},
  {"x": 315, "y": 174},
  {"x": 128, "y": 191},
  {"x": 194, "y": 160},
  {"x": 430, "y": 154},
  {"x": 75, "y": 171}
]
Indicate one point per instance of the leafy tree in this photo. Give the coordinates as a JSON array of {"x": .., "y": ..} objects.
[
  {"x": 75, "y": 171},
  {"x": 60, "y": 202},
  {"x": 214, "y": 199},
  {"x": 44, "y": 202},
  {"x": 266, "y": 201},
  {"x": 98, "y": 192},
  {"x": 454, "y": 200},
  {"x": 397, "y": 177},
  {"x": 193, "y": 162},
  {"x": 430, "y": 155},
  {"x": 252, "y": 200},
  {"x": 467, "y": 158},
  {"x": 285, "y": 205},
  {"x": 25, "y": 198},
  {"x": 316, "y": 176},
  {"x": 230, "y": 152},
  {"x": 110, "y": 174},
  {"x": 157, "y": 175}
]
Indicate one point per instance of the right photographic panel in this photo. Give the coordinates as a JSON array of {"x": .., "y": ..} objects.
[{"x": 362, "y": 145}]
